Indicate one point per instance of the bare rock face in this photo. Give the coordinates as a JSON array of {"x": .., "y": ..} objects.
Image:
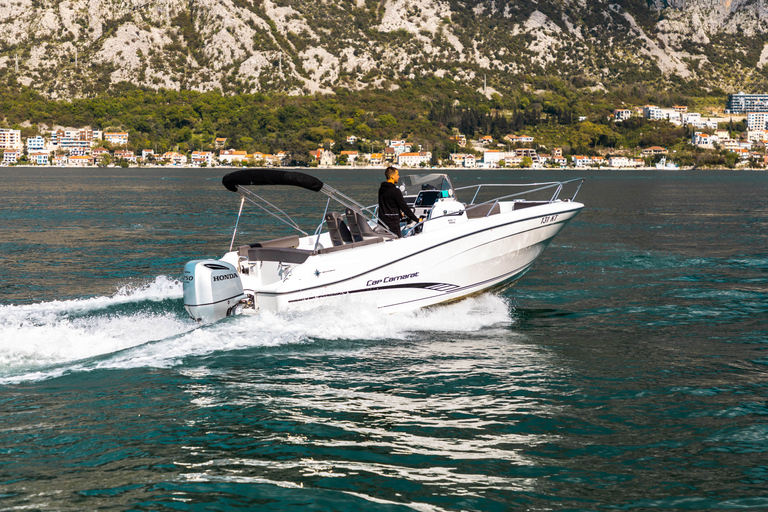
[{"x": 73, "y": 48}]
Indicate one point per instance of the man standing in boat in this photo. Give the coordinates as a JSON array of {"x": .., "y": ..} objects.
[{"x": 391, "y": 202}]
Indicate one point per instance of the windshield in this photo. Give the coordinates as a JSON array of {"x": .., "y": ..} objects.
[{"x": 412, "y": 184}]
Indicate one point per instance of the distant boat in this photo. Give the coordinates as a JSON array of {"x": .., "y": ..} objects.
[{"x": 667, "y": 166}]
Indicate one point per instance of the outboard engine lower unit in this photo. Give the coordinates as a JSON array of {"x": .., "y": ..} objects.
[{"x": 212, "y": 290}]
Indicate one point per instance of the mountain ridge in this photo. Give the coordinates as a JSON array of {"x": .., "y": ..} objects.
[{"x": 79, "y": 48}]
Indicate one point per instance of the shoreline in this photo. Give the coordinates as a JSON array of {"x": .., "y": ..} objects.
[{"x": 414, "y": 170}]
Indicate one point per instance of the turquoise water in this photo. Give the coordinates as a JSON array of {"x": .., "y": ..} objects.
[{"x": 626, "y": 371}]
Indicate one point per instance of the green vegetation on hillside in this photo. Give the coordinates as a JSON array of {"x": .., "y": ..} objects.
[{"x": 425, "y": 112}]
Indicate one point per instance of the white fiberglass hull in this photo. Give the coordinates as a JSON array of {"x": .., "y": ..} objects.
[{"x": 417, "y": 271}]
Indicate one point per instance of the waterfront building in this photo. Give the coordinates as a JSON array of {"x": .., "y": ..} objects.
[
  {"x": 80, "y": 161},
  {"x": 66, "y": 139},
  {"x": 618, "y": 162},
  {"x": 126, "y": 155},
  {"x": 623, "y": 161},
  {"x": 230, "y": 155},
  {"x": 582, "y": 161},
  {"x": 414, "y": 159},
  {"x": 118, "y": 138},
  {"x": 35, "y": 144},
  {"x": 529, "y": 152},
  {"x": 743, "y": 103},
  {"x": 513, "y": 160},
  {"x": 494, "y": 156},
  {"x": 200, "y": 157},
  {"x": 351, "y": 156},
  {"x": 83, "y": 149},
  {"x": 175, "y": 158},
  {"x": 99, "y": 152},
  {"x": 11, "y": 156},
  {"x": 654, "y": 150},
  {"x": 323, "y": 157},
  {"x": 40, "y": 158},
  {"x": 10, "y": 139},
  {"x": 463, "y": 160}
]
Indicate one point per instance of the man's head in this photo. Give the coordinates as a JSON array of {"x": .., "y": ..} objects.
[{"x": 392, "y": 174}]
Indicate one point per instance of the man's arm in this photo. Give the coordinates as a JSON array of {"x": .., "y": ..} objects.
[{"x": 405, "y": 208}]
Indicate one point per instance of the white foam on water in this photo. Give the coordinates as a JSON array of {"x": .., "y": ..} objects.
[
  {"x": 342, "y": 319},
  {"x": 35, "y": 338}
]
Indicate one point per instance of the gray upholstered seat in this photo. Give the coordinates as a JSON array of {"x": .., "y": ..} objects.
[
  {"x": 360, "y": 229},
  {"x": 339, "y": 231}
]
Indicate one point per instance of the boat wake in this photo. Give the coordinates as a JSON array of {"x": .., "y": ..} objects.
[{"x": 147, "y": 326}]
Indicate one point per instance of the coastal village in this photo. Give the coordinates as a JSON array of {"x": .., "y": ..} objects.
[{"x": 85, "y": 147}]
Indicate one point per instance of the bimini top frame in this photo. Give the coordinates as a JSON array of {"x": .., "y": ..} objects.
[{"x": 238, "y": 181}]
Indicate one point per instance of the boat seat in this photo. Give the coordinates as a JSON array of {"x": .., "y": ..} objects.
[
  {"x": 367, "y": 241},
  {"x": 280, "y": 254},
  {"x": 286, "y": 241},
  {"x": 476, "y": 211},
  {"x": 361, "y": 230},
  {"x": 339, "y": 231}
]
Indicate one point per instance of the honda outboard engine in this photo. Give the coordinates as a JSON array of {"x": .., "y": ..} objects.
[{"x": 212, "y": 290}]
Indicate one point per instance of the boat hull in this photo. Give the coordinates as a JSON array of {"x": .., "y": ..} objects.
[{"x": 488, "y": 253}]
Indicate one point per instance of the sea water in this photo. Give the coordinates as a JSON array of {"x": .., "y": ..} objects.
[{"x": 626, "y": 371}]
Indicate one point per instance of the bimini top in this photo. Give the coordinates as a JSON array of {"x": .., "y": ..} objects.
[{"x": 271, "y": 177}]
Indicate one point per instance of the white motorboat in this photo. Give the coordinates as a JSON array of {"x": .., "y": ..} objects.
[
  {"x": 457, "y": 249},
  {"x": 666, "y": 166}
]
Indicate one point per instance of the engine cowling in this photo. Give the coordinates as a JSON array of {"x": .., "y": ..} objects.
[{"x": 212, "y": 290}]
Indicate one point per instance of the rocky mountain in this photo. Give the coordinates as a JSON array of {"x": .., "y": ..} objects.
[{"x": 76, "y": 48}]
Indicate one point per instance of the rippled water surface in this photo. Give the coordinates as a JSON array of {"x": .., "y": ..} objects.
[{"x": 626, "y": 371}]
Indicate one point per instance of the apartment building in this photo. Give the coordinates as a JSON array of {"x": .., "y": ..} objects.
[{"x": 10, "y": 139}]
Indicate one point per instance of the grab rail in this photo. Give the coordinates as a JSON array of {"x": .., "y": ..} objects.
[
  {"x": 558, "y": 185},
  {"x": 528, "y": 190}
]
